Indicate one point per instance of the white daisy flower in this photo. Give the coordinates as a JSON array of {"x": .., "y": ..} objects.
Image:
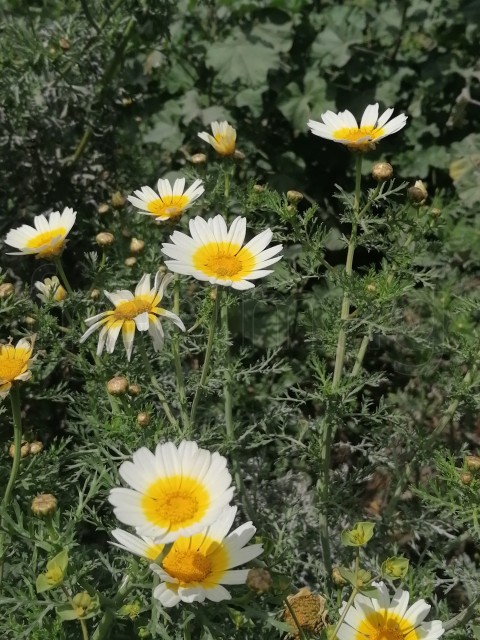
[
  {"x": 46, "y": 239},
  {"x": 133, "y": 311},
  {"x": 388, "y": 619},
  {"x": 170, "y": 201},
  {"x": 216, "y": 254},
  {"x": 343, "y": 127},
  {"x": 223, "y": 139},
  {"x": 15, "y": 363},
  {"x": 195, "y": 568},
  {"x": 175, "y": 491},
  {"x": 144, "y": 547},
  {"x": 50, "y": 290}
]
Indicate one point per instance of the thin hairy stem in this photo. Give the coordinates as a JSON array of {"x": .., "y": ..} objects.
[
  {"x": 177, "y": 360},
  {"x": 208, "y": 355},
  {"x": 153, "y": 378},
  {"x": 361, "y": 354},
  {"x": 63, "y": 276},
  {"x": 349, "y": 601},
  {"x": 82, "y": 622},
  {"x": 17, "y": 442}
]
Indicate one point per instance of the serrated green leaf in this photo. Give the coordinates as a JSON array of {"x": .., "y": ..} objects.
[{"x": 238, "y": 58}]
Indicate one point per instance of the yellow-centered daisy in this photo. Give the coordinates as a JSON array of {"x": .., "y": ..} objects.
[
  {"x": 223, "y": 139},
  {"x": 50, "y": 290},
  {"x": 342, "y": 127},
  {"x": 216, "y": 254},
  {"x": 143, "y": 546},
  {"x": 132, "y": 311},
  {"x": 170, "y": 201},
  {"x": 383, "y": 618},
  {"x": 196, "y": 567},
  {"x": 15, "y": 364},
  {"x": 176, "y": 491},
  {"x": 46, "y": 239}
]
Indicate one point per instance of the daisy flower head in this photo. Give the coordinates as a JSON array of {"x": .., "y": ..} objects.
[
  {"x": 50, "y": 290},
  {"x": 383, "y": 618},
  {"x": 223, "y": 139},
  {"x": 216, "y": 254},
  {"x": 143, "y": 546},
  {"x": 132, "y": 311},
  {"x": 15, "y": 362},
  {"x": 342, "y": 127},
  {"x": 175, "y": 491},
  {"x": 46, "y": 239},
  {"x": 196, "y": 568},
  {"x": 170, "y": 201}
]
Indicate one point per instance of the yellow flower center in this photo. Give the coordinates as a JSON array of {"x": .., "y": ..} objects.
[
  {"x": 187, "y": 565},
  {"x": 45, "y": 240},
  {"x": 224, "y": 144},
  {"x": 359, "y": 137},
  {"x": 175, "y": 502},
  {"x": 168, "y": 206},
  {"x": 13, "y": 362},
  {"x": 224, "y": 260},
  {"x": 132, "y": 308},
  {"x": 385, "y": 625}
]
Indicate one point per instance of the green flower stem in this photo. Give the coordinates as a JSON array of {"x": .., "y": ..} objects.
[
  {"x": 464, "y": 616},
  {"x": 208, "y": 355},
  {"x": 327, "y": 423},
  {"x": 72, "y": 604},
  {"x": 58, "y": 263},
  {"x": 17, "y": 441},
  {"x": 103, "y": 630},
  {"x": 349, "y": 601},
  {"x": 301, "y": 632},
  {"x": 178, "y": 363},
  {"x": 229, "y": 425},
  {"x": 361, "y": 354},
  {"x": 154, "y": 381}
]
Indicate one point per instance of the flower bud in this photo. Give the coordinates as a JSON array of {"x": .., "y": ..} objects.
[
  {"x": 418, "y": 193},
  {"x": 259, "y": 580},
  {"x": 213, "y": 294},
  {"x": 435, "y": 213},
  {"x": 130, "y": 262},
  {"x": 472, "y": 462},
  {"x": 6, "y": 289},
  {"x": 239, "y": 155},
  {"x": 361, "y": 533},
  {"x": 126, "y": 233},
  {"x": 45, "y": 504},
  {"x": 371, "y": 287},
  {"x": 36, "y": 447},
  {"x": 94, "y": 294},
  {"x": 24, "y": 450},
  {"x": 118, "y": 200},
  {"x": 294, "y": 197},
  {"x": 117, "y": 386},
  {"x": 64, "y": 44},
  {"x": 136, "y": 245},
  {"x": 105, "y": 239},
  {"x": 466, "y": 477},
  {"x": 143, "y": 419},
  {"x": 337, "y": 577},
  {"x": 198, "y": 158},
  {"x": 29, "y": 321},
  {"x": 131, "y": 610},
  {"x": 382, "y": 171},
  {"x": 395, "y": 567},
  {"x": 258, "y": 188},
  {"x": 134, "y": 389},
  {"x": 82, "y": 600},
  {"x": 103, "y": 208}
]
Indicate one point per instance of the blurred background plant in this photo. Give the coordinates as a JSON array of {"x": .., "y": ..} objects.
[{"x": 99, "y": 98}]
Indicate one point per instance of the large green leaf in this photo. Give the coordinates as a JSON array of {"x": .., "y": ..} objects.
[{"x": 239, "y": 58}]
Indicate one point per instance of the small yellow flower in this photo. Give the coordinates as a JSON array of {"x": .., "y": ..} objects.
[
  {"x": 14, "y": 364},
  {"x": 223, "y": 139},
  {"x": 343, "y": 128},
  {"x": 46, "y": 239},
  {"x": 50, "y": 290}
]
